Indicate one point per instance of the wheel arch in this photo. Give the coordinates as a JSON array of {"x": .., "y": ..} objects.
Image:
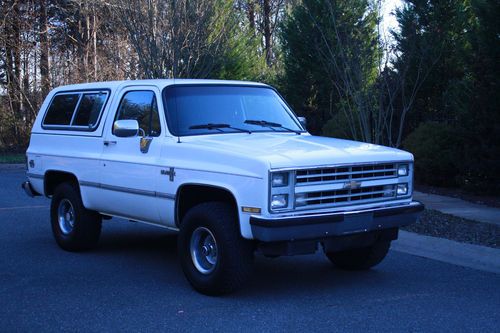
[
  {"x": 53, "y": 178},
  {"x": 191, "y": 194}
]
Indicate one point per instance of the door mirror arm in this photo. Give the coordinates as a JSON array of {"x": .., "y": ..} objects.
[{"x": 145, "y": 141}]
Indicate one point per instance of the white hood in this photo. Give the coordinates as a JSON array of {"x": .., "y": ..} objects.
[{"x": 283, "y": 150}]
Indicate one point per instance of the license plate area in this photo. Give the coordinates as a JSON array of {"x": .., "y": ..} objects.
[{"x": 357, "y": 222}]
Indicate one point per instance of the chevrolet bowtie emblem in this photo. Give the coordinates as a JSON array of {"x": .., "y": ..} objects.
[{"x": 352, "y": 185}]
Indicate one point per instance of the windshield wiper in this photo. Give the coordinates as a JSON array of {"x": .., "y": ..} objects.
[
  {"x": 271, "y": 125},
  {"x": 218, "y": 127}
]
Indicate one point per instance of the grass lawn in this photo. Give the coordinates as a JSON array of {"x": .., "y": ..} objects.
[{"x": 11, "y": 158}]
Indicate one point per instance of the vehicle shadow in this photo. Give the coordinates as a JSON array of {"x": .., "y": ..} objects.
[
  {"x": 277, "y": 277},
  {"x": 138, "y": 243},
  {"x": 302, "y": 276}
]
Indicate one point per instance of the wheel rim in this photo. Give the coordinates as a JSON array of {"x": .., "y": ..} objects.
[
  {"x": 66, "y": 216},
  {"x": 204, "y": 252}
]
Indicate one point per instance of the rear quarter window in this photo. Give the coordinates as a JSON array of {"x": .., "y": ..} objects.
[
  {"x": 61, "y": 109},
  {"x": 89, "y": 109},
  {"x": 79, "y": 110}
]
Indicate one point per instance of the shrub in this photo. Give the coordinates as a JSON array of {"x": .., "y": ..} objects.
[
  {"x": 437, "y": 149},
  {"x": 337, "y": 127},
  {"x": 480, "y": 164}
]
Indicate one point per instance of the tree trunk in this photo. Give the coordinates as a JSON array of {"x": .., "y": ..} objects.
[
  {"x": 27, "y": 92},
  {"x": 44, "y": 48},
  {"x": 251, "y": 14},
  {"x": 267, "y": 31},
  {"x": 16, "y": 22},
  {"x": 94, "y": 38}
]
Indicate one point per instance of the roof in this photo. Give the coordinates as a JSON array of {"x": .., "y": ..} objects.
[{"x": 160, "y": 83}]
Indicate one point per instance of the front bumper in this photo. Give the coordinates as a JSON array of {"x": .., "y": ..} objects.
[{"x": 321, "y": 226}]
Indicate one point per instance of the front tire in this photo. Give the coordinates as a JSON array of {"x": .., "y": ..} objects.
[
  {"x": 75, "y": 228},
  {"x": 362, "y": 258},
  {"x": 215, "y": 259}
]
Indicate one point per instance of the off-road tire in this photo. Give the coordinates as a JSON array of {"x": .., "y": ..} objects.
[
  {"x": 362, "y": 258},
  {"x": 234, "y": 261},
  {"x": 87, "y": 224}
]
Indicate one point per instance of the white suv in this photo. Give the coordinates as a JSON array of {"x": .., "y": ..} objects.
[{"x": 227, "y": 164}]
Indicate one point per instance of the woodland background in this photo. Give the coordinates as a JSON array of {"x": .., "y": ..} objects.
[{"x": 429, "y": 86}]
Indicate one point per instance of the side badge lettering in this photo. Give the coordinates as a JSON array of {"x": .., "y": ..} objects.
[{"x": 170, "y": 173}]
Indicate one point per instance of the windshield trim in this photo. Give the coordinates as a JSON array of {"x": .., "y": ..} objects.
[{"x": 287, "y": 108}]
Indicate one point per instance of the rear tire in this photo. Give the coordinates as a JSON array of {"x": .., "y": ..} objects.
[
  {"x": 75, "y": 228},
  {"x": 215, "y": 258},
  {"x": 362, "y": 258}
]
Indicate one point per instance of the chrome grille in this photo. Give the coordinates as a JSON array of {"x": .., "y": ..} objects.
[
  {"x": 345, "y": 173},
  {"x": 345, "y": 185},
  {"x": 345, "y": 196}
]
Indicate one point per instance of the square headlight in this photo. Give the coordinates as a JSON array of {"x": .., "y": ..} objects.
[
  {"x": 402, "y": 189},
  {"x": 403, "y": 170},
  {"x": 279, "y": 201},
  {"x": 279, "y": 179}
]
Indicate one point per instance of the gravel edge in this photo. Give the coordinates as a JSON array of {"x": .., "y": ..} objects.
[{"x": 437, "y": 224}]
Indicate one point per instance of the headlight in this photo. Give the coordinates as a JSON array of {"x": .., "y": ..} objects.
[
  {"x": 279, "y": 201},
  {"x": 279, "y": 179},
  {"x": 403, "y": 170},
  {"x": 402, "y": 189},
  {"x": 281, "y": 194}
]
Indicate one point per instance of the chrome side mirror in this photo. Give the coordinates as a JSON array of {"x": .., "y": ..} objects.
[
  {"x": 303, "y": 122},
  {"x": 126, "y": 128}
]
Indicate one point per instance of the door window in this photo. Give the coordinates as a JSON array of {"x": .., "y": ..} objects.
[{"x": 141, "y": 106}]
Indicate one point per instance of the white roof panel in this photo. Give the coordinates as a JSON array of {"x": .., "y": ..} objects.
[{"x": 160, "y": 83}]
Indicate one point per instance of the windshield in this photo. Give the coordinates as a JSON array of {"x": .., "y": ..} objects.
[{"x": 194, "y": 110}]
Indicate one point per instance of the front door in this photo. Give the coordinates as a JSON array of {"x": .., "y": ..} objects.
[{"x": 130, "y": 174}]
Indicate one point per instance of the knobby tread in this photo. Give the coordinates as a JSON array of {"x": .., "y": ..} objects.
[
  {"x": 87, "y": 229},
  {"x": 236, "y": 254},
  {"x": 360, "y": 259}
]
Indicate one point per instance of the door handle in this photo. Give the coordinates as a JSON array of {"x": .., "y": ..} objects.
[{"x": 109, "y": 143}]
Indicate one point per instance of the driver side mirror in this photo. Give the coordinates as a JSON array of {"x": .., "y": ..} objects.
[
  {"x": 125, "y": 128},
  {"x": 303, "y": 122}
]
